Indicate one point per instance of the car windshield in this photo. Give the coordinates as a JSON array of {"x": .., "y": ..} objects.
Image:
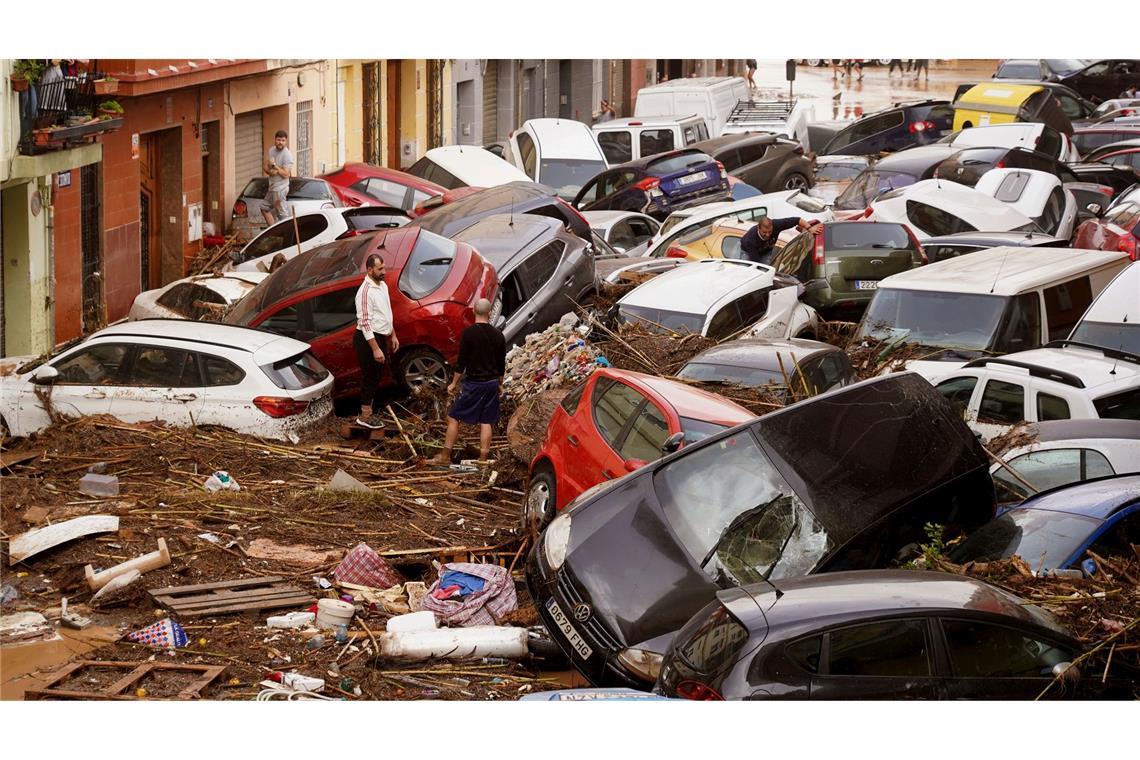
[
  {"x": 735, "y": 514},
  {"x": 302, "y": 189},
  {"x": 862, "y": 235},
  {"x": 1021, "y": 70},
  {"x": 1043, "y": 538},
  {"x": 677, "y": 321},
  {"x": 869, "y": 185},
  {"x": 838, "y": 172},
  {"x": 725, "y": 373},
  {"x": 567, "y": 175},
  {"x": 428, "y": 265},
  {"x": 1122, "y": 336},
  {"x": 935, "y": 319},
  {"x": 1065, "y": 66},
  {"x": 677, "y": 162}
]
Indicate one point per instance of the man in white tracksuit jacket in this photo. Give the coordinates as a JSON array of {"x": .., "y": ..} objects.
[{"x": 374, "y": 339}]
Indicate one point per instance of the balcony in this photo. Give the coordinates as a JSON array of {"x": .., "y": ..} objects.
[{"x": 66, "y": 113}]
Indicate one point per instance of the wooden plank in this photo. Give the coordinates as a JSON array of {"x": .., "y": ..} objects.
[
  {"x": 137, "y": 671},
  {"x": 38, "y": 540},
  {"x": 265, "y": 605},
  {"x": 130, "y": 678},
  {"x": 237, "y": 583},
  {"x": 11, "y": 458},
  {"x": 179, "y": 605},
  {"x": 195, "y": 689}
]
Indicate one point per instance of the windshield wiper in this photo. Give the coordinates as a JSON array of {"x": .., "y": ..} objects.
[{"x": 735, "y": 523}]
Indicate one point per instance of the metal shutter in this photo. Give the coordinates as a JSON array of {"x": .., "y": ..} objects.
[
  {"x": 490, "y": 131},
  {"x": 249, "y": 157},
  {"x": 581, "y": 98}
]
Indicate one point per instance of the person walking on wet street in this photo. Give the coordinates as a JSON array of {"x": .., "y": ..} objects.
[
  {"x": 921, "y": 65},
  {"x": 374, "y": 339},
  {"x": 758, "y": 244},
  {"x": 895, "y": 62},
  {"x": 481, "y": 366}
]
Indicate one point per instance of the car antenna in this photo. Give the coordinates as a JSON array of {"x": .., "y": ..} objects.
[
  {"x": 511, "y": 222},
  {"x": 996, "y": 276},
  {"x": 383, "y": 238}
]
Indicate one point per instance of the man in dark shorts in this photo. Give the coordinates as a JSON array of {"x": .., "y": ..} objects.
[
  {"x": 758, "y": 244},
  {"x": 482, "y": 363}
]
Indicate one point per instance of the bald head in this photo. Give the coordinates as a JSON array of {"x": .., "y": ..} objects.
[{"x": 482, "y": 309}]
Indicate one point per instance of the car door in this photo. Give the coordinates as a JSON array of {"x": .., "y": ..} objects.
[
  {"x": 541, "y": 299},
  {"x": 87, "y": 379},
  {"x": 161, "y": 383},
  {"x": 884, "y": 659},
  {"x": 960, "y": 391},
  {"x": 613, "y": 407},
  {"x": 1000, "y": 406},
  {"x": 991, "y": 661}
]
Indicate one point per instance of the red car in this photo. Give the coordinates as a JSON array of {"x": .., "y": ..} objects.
[
  {"x": 613, "y": 423},
  {"x": 1117, "y": 230},
  {"x": 386, "y": 186},
  {"x": 448, "y": 196},
  {"x": 433, "y": 284}
]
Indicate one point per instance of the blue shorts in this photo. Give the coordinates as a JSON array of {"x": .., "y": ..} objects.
[{"x": 478, "y": 403}]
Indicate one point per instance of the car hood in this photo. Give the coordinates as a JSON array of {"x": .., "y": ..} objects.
[{"x": 9, "y": 364}]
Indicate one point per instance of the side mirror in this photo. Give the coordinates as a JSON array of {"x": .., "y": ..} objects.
[
  {"x": 1094, "y": 209},
  {"x": 672, "y": 443},
  {"x": 632, "y": 465},
  {"x": 1066, "y": 671},
  {"x": 45, "y": 375}
]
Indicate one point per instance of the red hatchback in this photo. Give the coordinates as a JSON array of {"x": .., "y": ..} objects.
[
  {"x": 433, "y": 284},
  {"x": 387, "y": 186},
  {"x": 1117, "y": 230},
  {"x": 613, "y": 423}
]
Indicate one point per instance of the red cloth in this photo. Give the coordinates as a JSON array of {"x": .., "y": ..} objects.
[{"x": 364, "y": 567}]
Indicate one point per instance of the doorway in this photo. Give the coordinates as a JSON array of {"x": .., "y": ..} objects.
[
  {"x": 393, "y": 131},
  {"x": 90, "y": 240},
  {"x": 150, "y": 207},
  {"x": 212, "y": 175},
  {"x": 160, "y": 208}
]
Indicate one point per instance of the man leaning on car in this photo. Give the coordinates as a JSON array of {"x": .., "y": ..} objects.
[{"x": 758, "y": 244}]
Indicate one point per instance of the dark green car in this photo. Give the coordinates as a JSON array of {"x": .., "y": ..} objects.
[{"x": 842, "y": 263}]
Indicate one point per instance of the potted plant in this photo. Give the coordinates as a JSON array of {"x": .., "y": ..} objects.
[
  {"x": 24, "y": 73},
  {"x": 108, "y": 85},
  {"x": 110, "y": 109}
]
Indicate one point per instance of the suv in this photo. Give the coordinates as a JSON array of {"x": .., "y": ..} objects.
[
  {"x": 895, "y": 128},
  {"x": 299, "y": 234},
  {"x": 764, "y": 161},
  {"x": 524, "y": 197},
  {"x": 560, "y": 153},
  {"x": 624, "y": 140},
  {"x": 1063, "y": 380},
  {"x": 657, "y": 185},
  {"x": 844, "y": 262}
]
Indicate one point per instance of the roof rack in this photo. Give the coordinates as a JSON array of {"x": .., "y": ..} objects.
[
  {"x": 1111, "y": 353},
  {"x": 1035, "y": 370},
  {"x": 758, "y": 112}
]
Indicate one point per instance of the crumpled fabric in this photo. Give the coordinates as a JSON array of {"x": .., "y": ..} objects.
[
  {"x": 484, "y": 607},
  {"x": 364, "y": 567}
]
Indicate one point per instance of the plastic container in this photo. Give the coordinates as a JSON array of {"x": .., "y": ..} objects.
[
  {"x": 94, "y": 484},
  {"x": 413, "y": 621},
  {"x": 334, "y": 612},
  {"x": 455, "y": 643},
  {"x": 298, "y": 682},
  {"x": 291, "y": 620}
]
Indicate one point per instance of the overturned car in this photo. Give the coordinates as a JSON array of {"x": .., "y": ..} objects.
[{"x": 842, "y": 481}]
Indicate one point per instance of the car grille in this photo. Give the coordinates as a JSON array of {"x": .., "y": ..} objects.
[{"x": 593, "y": 629}]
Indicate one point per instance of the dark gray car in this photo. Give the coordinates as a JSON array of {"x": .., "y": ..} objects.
[
  {"x": 764, "y": 161},
  {"x": 544, "y": 270},
  {"x": 808, "y": 366}
]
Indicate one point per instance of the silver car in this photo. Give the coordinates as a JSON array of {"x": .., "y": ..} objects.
[
  {"x": 544, "y": 270},
  {"x": 622, "y": 230},
  {"x": 305, "y": 194}
]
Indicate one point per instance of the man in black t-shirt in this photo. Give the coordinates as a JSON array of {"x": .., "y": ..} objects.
[
  {"x": 758, "y": 244},
  {"x": 482, "y": 363}
]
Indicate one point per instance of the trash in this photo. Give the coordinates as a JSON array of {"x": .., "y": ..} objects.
[
  {"x": 94, "y": 484},
  {"x": 482, "y": 607},
  {"x": 429, "y": 692},
  {"x": 553, "y": 358},
  {"x": 71, "y": 619},
  {"x": 38, "y": 540},
  {"x": 145, "y": 563},
  {"x": 221, "y": 481},
  {"x": 98, "y": 468},
  {"x": 464, "y": 468},
  {"x": 341, "y": 634},
  {"x": 115, "y": 585},
  {"x": 316, "y": 642},
  {"x": 334, "y": 612},
  {"x": 365, "y": 567},
  {"x": 416, "y": 591},
  {"x": 291, "y": 620},
  {"x": 298, "y": 682},
  {"x": 165, "y": 634},
  {"x": 454, "y": 643},
  {"x": 22, "y": 626},
  {"x": 342, "y": 481},
  {"x": 9, "y": 593},
  {"x": 263, "y": 548},
  {"x": 35, "y": 515},
  {"x": 494, "y": 661},
  {"x": 211, "y": 537},
  {"x": 413, "y": 621}
]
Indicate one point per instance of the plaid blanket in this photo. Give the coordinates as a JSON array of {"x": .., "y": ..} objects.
[
  {"x": 364, "y": 567},
  {"x": 484, "y": 607}
]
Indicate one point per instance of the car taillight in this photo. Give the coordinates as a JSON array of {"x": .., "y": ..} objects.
[
  {"x": 919, "y": 126},
  {"x": 676, "y": 253},
  {"x": 1000, "y": 164},
  {"x": 647, "y": 184},
  {"x": 817, "y": 256},
  {"x": 917, "y": 245},
  {"x": 574, "y": 211},
  {"x": 723, "y": 173},
  {"x": 239, "y": 208},
  {"x": 278, "y": 406},
  {"x": 867, "y": 212},
  {"x": 1127, "y": 244},
  {"x": 1105, "y": 190},
  {"x": 698, "y": 691}
]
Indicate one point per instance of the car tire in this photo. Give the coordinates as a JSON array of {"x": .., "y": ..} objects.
[
  {"x": 813, "y": 61},
  {"x": 884, "y": 61},
  {"x": 795, "y": 181},
  {"x": 542, "y": 647},
  {"x": 421, "y": 366},
  {"x": 541, "y": 496}
]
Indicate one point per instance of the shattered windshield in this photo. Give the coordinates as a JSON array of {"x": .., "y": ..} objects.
[{"x": 737, "y": 516}]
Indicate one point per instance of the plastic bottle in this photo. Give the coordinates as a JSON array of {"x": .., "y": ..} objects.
[
  {"x": 316, "y": 642},
  {"x": 341, "y": 633}
]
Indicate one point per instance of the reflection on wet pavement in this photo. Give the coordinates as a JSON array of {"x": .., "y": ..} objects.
[{"x": 26, "y": 666}]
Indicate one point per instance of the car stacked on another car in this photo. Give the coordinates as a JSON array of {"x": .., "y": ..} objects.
[
  {"x": 1117, "y": 230},
  {"x": 511, "y": 198},
  {"x": 560, "y": 153},
  {"x": 1036, "y": 194},
  {"x": 892, "y": 129},
  {"x": 389, "y": 187},
  {"x": 199, "y": 297},
  {"x": 892, "y": 172},
  {"x": 764, "y": 161},
  {"x": 935, "y": 207},
  {"x": 304, "y": 194},
  {"x": 792, "y": 369},
  {"x": 656, "y": 185}
]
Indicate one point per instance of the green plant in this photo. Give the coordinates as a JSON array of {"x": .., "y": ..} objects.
[
  {"x": 934, "y": 551},
  {"x": 111, "y": 106},
  {"x": 28, "y": 68}
]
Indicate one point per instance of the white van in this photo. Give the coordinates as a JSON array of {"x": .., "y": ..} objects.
[
  {"x": 1113, "y": 320},
  {"x": 465, "y": 166},
  {"x": 629, "y": 139},
  {"x": 710, "y": 97},
  {"x": 562, "y": 154}
]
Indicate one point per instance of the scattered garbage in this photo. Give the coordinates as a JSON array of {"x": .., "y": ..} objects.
[
  {"x": 33, "y": 542},
  {"x": 145, "y": 563},
  {"x": 558, "y": 356},
  {"x": 70, "y": 619},
  {"x": 291, "y": 620},
  {"x": 342, "y": 481},
  {"x": 341, "y": 634},
  {"x": 316, "y": 642},
  {"x": 95, "y": 484},
  {"x": 334, "y": 612},
  {"x": 165, "y": 634},
  {"x": 466, "y": 601},
  {"x": 98, "y": 468},
  {"x": 9, "y": 593},
  {"x": 298, "y": 682},
  {"x": 116, "y": 585},
  {"x": 221, "y": 481},
  {"x": 363, "y": 566},
  {"x": 25, "y": 626},
  {"x": 454, "y": 643},
  {"x": 413, "y": 621}
]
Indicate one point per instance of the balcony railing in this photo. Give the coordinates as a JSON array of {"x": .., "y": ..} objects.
[{"x": 63, "y": 114}]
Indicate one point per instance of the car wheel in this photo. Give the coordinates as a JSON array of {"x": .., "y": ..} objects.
[
  {"x": 422, "y": 367},
  {"x": 883, "y": 61},
  {"x": 813, "y": 61},
  {"x": 795, "y": 181},
  {"x": 538, "y": 510}
]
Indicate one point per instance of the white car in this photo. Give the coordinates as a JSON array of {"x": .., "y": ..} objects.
[
  {"x": 305, "y": 194},
  {"x": 313, "y": 228},
  {"x": 1038, "y": 195},
  {"x": 455, "y": 166},
  {"x": 195, "y": 297},
  {"x": 720, "y": 298},
  {"x": 1113, "y": 319},
  {"x": 1059, "y": 382},
  {"x": 1017, "y": 135},
  {"x": 1068, "y": 451},
  {"x": 562, "y": 154},
  {"x": 622, "y": 230},
  {"x": 936, "y": 207},
  {"x": 178, "y": 372}
]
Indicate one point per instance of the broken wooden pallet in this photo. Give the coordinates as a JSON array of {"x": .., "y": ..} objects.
[
  {"x": 248, "y": 594},
  {"x": 137, "y": 671}
]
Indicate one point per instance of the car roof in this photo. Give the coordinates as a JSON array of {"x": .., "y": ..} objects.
[
  {"x": 969, "y": 203},
  {"x": 461, "y": 160},
  {"x": 687, "y": 400},
  {"x": 696, "y": 287},
  {"x": 265, "y": 346},
  {"x": 1004, "y": 271},
  {"x": 499, "y": 237},
  {"x": 995, "y": 239},
  {"x": 917, "y": 159},
  {"x": 645, "y": 121},
  {"x": 363, "y": 169},
  {"x": 688, "y": 83},
  {"x": 1093, "y": 366},
  {"x": 756, "y": 353},
  {"x": 1098, "y": 498},
  {"x": 857, "y": 594},
  {"x": 1076, "y": 430}
]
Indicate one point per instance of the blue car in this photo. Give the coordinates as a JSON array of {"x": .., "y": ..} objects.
[
  {"x": 901, "y": 126},
  {"x": 1054, "y": 529},
  {"x": 657, "y": 185}
]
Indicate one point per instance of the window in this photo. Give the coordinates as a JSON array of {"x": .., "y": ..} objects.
[
  {"x": 982, "y": 650},
  {"x": 296, "y": 372},
  {"x": 934, "y": 221},
  {"x": 304, "y": 141},
  {"x": 191, "y": 300},
  {"x": 511, "y": 290},
  {"x": 1097, "y": 69},
  {"x": 331, "y": 311},
  {"x": 615, "y": 181},
  {"x": 1011, "y": 187},
  {"x": 862, "y": 129},
  {"x": 570, "y": 400},
  {"x": 617, "y": 147},
  {"x": 97, "y": 365},
  {"x": 1050, "y": 407},
  {"x": 753, "y": 306},
  {"x": 1116, "y": 539},
  {"x": 958, "y": 392},
  {"x": 890, "y": 648},
  {"x": 1002, "y": 403},
  {"x": 427, "y": 266},
  {"x": 752, "y": 153},
  {"x": 1049, "y": 142},
  {"x": 527, "y": 153},
  {"x": 869, "y": 185},
  {"x": 1064, "y": 305},
  {"x": 648, "y": 434},
  {"x": 622, "y": 234},
  {"x": 730, "y": 247},
  {"x": 653, "y": 141},
  {"x": 220, "y": 371},
  {"x": 1020, "y": 327},
  {"x": 537, "y": 269},
  {"x": 382, "y": 190},
  {"x": 796, "y": 257},
  {"x": 730, "y": 159},
  {"x": 1051, "y": 468},
  {"x": 1126, "y": 215},
  {"x": 691, "y": 135},
  {"x": 1050, "y": 219},
  {"x": 613, "y": 408},
  {"x": 161, "y": 367},
  {"x": 283, "y": 322},
  {"x": 1070, "y": 105},
  {"x": 1119, "y": 406},
  {"x": 276, "y": 238},
  {"x": 674, "y": 163},
  {"x": 725, "y": 322},
  {"x": 589, "y": 193},
  {"x": 805, "y": 653}
]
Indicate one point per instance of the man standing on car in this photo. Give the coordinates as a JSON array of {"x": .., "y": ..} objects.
[
  {"x": 279, "y": 168},
  {"x": 373, "y": 337},
  {"x": 758, "y": 244},
  {"x": 482, "y": 363}
]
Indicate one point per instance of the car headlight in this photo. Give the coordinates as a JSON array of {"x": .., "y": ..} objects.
[
  {"x": 555, "y": 540},
  {"x": 641, "y": 662}
]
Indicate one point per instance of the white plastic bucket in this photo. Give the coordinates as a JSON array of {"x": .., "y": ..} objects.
[{"x": 334, "y": 612}]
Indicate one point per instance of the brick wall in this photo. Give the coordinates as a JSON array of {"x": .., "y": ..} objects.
[{"x": 68, "y": 256}]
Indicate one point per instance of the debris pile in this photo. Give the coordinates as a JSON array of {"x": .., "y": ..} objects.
[
  {"x": 557, "y": 357},
  {"x": 639, "y": 348}
]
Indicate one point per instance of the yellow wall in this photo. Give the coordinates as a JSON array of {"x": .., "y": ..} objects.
[
  {"x": 27, "y": 270},
  {"x": 350, "y": 72}
]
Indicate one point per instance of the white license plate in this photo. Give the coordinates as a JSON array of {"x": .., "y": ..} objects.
[
  {"x": 866, "y": 284},
  {"x": 690, "y": 179},
  {"x": 563, "y": 623}
]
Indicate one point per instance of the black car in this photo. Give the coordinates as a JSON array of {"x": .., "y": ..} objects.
[
  {"x": 968, "y": 166},
  {"x": 657, "y": 185},
  {"x": 960, "y": 243},
  {"x": 840, "y": 481},
  {"x": 892, "y": 129},
  {"x": 1104, "y": 79},
  {"x": 1095, "y": 141},
  {"x": 808, "y": 367},
  {"x": 1038, "y": 69},
  {"x": 513, "y": 197},
  {"x": 764, "y": 161},
  {"x": 892, "y": 172},
  {"x": 896, "y": 634}
]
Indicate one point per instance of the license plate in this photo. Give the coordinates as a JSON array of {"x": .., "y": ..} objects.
[
  {"x": 866, "y": 284},
  {"x": 690, "y": 179},
  {"x": 563, "y": 623}
]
